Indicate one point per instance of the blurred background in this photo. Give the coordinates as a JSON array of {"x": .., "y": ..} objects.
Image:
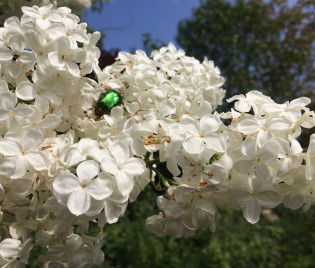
[{"x": 258, "y": 45}]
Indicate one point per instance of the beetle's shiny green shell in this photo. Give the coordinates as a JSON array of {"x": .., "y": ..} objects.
[{"x": 107, "y": 101}]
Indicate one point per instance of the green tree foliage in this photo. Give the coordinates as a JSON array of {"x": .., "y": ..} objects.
[
  {"x": 97, "y": 5},
  {"x": 257, "y": 45}
]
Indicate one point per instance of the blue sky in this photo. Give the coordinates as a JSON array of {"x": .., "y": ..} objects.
[{"x": 124, "y": 21}]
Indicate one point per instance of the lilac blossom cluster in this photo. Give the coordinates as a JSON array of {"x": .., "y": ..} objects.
[{"x": 63, "y": 165}]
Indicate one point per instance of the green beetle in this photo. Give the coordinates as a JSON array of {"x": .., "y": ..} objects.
[{"x": 107, "y": 101}]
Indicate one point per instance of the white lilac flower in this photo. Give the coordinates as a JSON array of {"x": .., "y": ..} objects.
[
  {"x": 201, "y": 134},
  {"x": 70, "y": 30},
  {"x": 24, "y": 151},
  {"x": 11, "y": 113},
  {"x": 253, "y": 100},
  {"x": 65, "y": 56},
  {"x": 289, "y": 110},
  {"x": 263, "y": 128},
  {"x": 78, "y": 190},
  {"x": 91, "y": 54},
  {"x": 291, "y": 187},
  {"x": 254, "y": 198},
  {"x": 258, "y": 159},
  {"x": 27, "y": 91},
  {"x": 122, "y": 167},
  {"x": 41, "y": 16},
  {"x": 38, "y": 44},
  {"x": 290, "y": 153},
  {"x": 80, "y": 151},
  {"x": 15, "y": 56}
]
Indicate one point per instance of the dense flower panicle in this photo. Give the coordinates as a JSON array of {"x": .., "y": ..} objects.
[
  {"x": 13, "y": 8},
  {"x": 67, "y": 157},
  {"x": 262, "y": 164}
]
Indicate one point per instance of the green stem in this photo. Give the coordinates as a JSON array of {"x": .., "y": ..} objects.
[
  {"x": 153, "y": 162},
  {"x": 161, "y": 177}
]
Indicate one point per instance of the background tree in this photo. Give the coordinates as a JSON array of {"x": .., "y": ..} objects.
[{"x": 257, "y": 45}]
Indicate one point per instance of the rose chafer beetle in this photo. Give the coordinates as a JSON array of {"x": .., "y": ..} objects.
[{"x": 107, "y": 101}]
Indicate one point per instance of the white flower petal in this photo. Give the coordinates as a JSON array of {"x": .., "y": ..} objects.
[
  {"x": 269, "y": 198},
  {"x": 100, "y": 188},
  {"x": 43, "y": 24},
  {"x": 244, "y": 165},
  {"x": 120, "y": 151},
  {"x": 50, "y": 121},
  {"x": 10, "y": 147},
  {"x": 294, "y": 200},
  {"x": 27, "y": 57},
  {"x": 193, "y": 145},
  {"x": 10, "y": 247},
  {"x": 73, "y": 68},
  {"x": 55, "y": 60},
  {"x": 7, "y": 167},
  {"x": 95, "y": 208},
  {"x": 79, "y": 202},
  {"x": 38, "y": 160},
  {"x": 73, "y": 157},
  {"x": 299, "y": 103},
  {"x": 21, "y": 187},
  {"x": 239, "y": 194},
  {"x": 252, "y": 211},
  {"x": 285, "y": 168},
  {"x": 124, "y": 182},
  {"x": 5, "y": 54},
  {"x": 189, "y": 125},
  {"x": 17, "y": 43},
  {"x": 21, "y": 167},
  {"x": 263, "y": 137},
  {"x": 29, "y": 11},
  {"x": 14, "y": 68},
  {"x": 209, "y": 124},
  {"x": 134, "y": 166},
  {"x": 85, "y": 144},
  {"x": 172, "y": 166},
  {"x": 269, "y": 151},
  {"x": 109, "y": 165},
  {"x": 8, "y": 101},
  {"x": 248, "y": 126},
  {"x": 216, "y": 142},
  {"x": 23, "y": 111},
  {"x": 54, "y": 16},
  {"x": 166, "y": 108},
  {"x": 87, "y": 170},
  {"x": 31, "y": 139},
  {"x": 66, "y": 183},
  {"x": 113, "y": 211},
  {"x": 170, "y": 208},
  {"x": 264, "y": 172}
]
